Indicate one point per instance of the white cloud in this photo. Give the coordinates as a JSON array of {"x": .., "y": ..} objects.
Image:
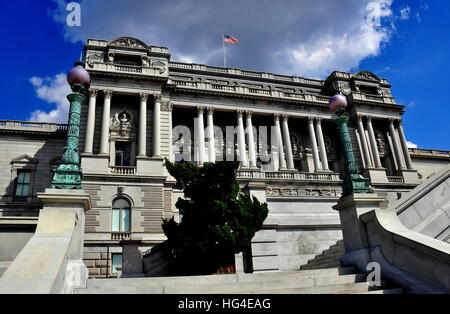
[
  {"x": 52, "y": 90},
  {"x": 405, "y": 13},
  {"x": 306, "y": 38},
  {"x": 411, "y": 144}
]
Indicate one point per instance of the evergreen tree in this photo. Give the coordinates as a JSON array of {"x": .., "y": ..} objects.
[{"x": 216, "y": 219}]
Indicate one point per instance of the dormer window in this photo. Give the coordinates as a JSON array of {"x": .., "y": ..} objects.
[
  {"x": 371, "y": 90},
  {"x": 128, "y": 59}
]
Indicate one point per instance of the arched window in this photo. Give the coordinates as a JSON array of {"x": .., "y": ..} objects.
[{"x": 121, "y": 215}]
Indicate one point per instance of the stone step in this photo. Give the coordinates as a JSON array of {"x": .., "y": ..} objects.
[
  {"x": 219, "y": 283},
  {"x": 385, "y": 291},
  {"x": 347, "y": 288},
  {"x": 320, "y": 265},
  {"x": 282, "y": 283},
  {"x": 325, "y": 258}
]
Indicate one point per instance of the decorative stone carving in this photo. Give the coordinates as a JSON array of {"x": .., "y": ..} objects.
[
  {"x": 95, "y": 57},
  {"x": 166, "y": 105},
  {"x": 107, "y": 93},
  {"x": 111, "y": 57},
  {"x": 120, "y": 190},
  {"x": 365, "y": 75},
  {"x": 122, "y": 123},
  {"x": 300, "y": 192},
  {"x": 159, "y": 65},
  {"x": 145, "y": 61},
  {"x": 143, "y": 97},
  {"x": 381, "y": 145},
  {"x": 128, "y": 42},
  {"x": 157, "y": 97},
  {"x": 342, "y": 87},
  {"x": 93, "y": 92}
]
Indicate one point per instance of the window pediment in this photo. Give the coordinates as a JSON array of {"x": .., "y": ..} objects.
[{"x": 24, "y": 160}]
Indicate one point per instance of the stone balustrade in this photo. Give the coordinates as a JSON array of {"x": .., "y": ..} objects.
[
  {"x": 131, "y": 69},
  {"x": 429, "y": 152},
  {"x": 287, "y": 176},
  {"x": 206, "y": 68},
  {"x": 123, "y": 170},
  {"x": 395, "y": 179},
  {"x": 250, "y": 91},
  {"x": 32, "y": 126},
  {"x": 119, "y": 236}
]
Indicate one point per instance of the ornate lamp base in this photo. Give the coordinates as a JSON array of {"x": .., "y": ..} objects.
[
  {"x": 67, "y": 177},
  {"x": 355, "y": 183}
]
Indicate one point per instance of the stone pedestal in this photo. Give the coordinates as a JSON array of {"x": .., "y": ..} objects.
[
  {"x": 354, "y": 231},
  {"x": 52, "y": 260},
  {"x": 410, "y": 176},
  {"x": 150, "y": 166},
  {"x": 258, "y": 190},
  {"x": 132, "y": 265},
  {"x": 95, "y": 163},
  {"x": 376, "y": 175}
]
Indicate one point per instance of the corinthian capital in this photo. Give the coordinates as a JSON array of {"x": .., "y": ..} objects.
[
  {"x": 143, "y": 96},
  {"x": 157, "y": 97},
  {"x": 93, "y": 92},
  {"x": 107, "y": 93}
]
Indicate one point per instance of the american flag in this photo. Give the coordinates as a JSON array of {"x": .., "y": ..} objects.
[{"x": 230, "y": 39}]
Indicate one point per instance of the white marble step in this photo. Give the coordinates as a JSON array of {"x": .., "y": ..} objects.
[{"x": 240, "y": 283}]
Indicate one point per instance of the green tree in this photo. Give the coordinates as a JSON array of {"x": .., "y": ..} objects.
[{"x": 217, "y": 220}]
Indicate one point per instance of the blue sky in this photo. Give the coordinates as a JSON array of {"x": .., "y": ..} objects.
[{"x": 308, "y": 38}]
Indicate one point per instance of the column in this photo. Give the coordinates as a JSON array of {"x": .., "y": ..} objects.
[
  {"x": 210, "y": 135},
  {"x": 280, "y": 142},
  {"x": 241, "y": 140},
  {"x": 142, "y": 148},
  {"x": 157, "y": 126},
  {"x": 201, "y": 135},
  {"x": 404, "y": 145},
  {"x": 89, "y": 143},
  {"x": 373, "y": 143},
  {"x": 394, "y": 137},
  {"x": 323, "y": 151},
  {"x": 251, "y": 141},
  {"x": 312, "y": 139},
  {"x": 105, "y": 122},
  {"x": 365, "y": 149},
  {"x": 287, "y": 143}
]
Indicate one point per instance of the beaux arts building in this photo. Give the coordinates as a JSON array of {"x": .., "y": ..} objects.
[{"x": 143, "y": 108}]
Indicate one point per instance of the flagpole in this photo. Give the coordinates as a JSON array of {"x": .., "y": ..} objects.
[{"x": 223, "y": 46}]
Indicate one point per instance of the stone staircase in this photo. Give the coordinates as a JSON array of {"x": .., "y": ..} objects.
[
  {"x": 328, "y": 258},
  {"x": 314, "y": 281}
]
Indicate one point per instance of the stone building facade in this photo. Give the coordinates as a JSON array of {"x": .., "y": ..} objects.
[{"x": 144, "y": 108}]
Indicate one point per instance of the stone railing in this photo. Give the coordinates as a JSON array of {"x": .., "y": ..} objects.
[
  {"x": 287, "y": 176},
  {"x": 32, "y": 126},
  {"x": 255, "y": 74},
  {"x": 119, "y": 236},
  {"x": 395, "y": 179},
  {"x": 420, "y": 152},
  {"x": 128, "y": 68},
  {"x": 242, "y": 90},
  {"x": 371, "y": 98},
  {"x": 131, "y": 69},
  {"x": 123, "y": 170}
]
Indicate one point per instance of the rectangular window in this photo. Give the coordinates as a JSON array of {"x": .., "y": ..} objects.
[
  {"x": 116, "y": 220},
  {"x": 123, "y": 154},
  {"x": 120, "y": 220},
  {"x": 116, "y": 262},
  {"x": 23, "y": 183}
]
